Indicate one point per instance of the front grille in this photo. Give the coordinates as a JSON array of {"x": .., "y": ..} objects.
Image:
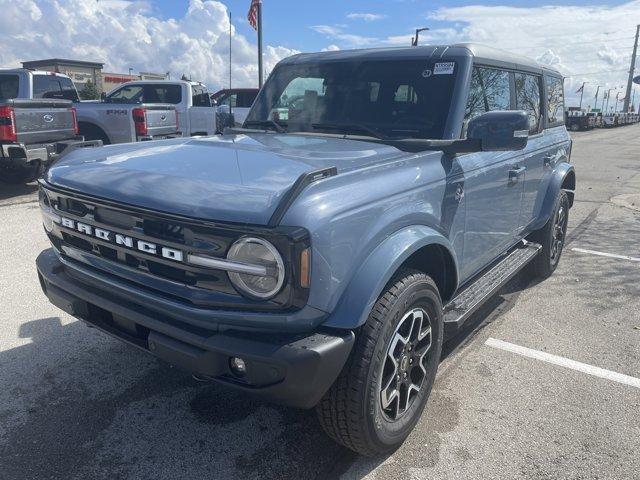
[{"x": 153, "y": 270}]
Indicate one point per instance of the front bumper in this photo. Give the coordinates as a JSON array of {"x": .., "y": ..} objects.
[
  {"x": 45, "y": 153},
  {"x": 294, "y": 369}
]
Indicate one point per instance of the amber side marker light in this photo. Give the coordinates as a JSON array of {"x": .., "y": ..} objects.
[{"x": 305, "y": 268}]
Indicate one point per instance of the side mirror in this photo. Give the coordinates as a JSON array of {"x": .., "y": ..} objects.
[{"x": 500, "y": 131}]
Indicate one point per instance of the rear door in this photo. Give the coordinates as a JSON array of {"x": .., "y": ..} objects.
[
  {"x": 539, "y": 147},
  {"x": 545, "y": 150},
  {"x": 493, "y": 181},
  {"x": 201, "y": 113}
]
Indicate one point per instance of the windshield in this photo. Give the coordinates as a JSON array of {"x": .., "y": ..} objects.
[{"x": 386, "y": 99}]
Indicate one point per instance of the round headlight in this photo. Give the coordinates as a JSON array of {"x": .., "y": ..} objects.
[{"x": 257, "y": 252}]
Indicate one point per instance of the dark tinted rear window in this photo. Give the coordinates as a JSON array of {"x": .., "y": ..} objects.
[
  {"x": 200, "y": 97},
  {"x": 53, "y": 86},
  {"x": 9, "y": 86},
  {"x": 245, "y": 99},
  {"x": 153, "y": 93}
]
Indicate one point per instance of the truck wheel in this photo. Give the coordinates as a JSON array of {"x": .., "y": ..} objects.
[
  {"x": 379, "y": 396},
  {"x": 20, "y": 174},
  {"x": 552, "y": 238}
]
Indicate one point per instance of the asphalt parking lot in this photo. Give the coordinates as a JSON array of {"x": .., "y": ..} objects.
[{"x": 510, "y": 401}]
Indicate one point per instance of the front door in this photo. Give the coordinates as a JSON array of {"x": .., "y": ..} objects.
[{"x": 493, "y": 189}]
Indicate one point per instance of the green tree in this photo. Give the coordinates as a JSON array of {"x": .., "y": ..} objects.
[{"x": 90, "y": 91}]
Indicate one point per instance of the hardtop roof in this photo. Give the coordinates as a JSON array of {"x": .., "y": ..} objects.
[{"x": 482, "y": 54}]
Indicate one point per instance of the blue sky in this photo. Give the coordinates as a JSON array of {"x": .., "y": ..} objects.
[
  {"x": 587, "y": 40},
  {"x": 287, "y": 22}
]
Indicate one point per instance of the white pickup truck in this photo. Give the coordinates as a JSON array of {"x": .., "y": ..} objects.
[{"x": 196, "y": 115}]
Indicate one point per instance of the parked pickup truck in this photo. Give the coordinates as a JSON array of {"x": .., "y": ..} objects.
[
  {"x": 162, "y": 100},
  {"x": 36, "y": 123},
  {"x": 234, "y": 103},
  {"x": 321, "y": 261},
  {"x": 579, "y": 120}
]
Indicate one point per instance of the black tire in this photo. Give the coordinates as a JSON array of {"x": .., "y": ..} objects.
[
  {"x": 552, "y": 238},
  {"x": 352, "y": 412},
  {"x": 20, "y": 174}
]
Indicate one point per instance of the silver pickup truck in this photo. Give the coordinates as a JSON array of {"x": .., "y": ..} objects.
[
  {"x": 37, "y": 122},
  {"x": 115, "y": 121}
]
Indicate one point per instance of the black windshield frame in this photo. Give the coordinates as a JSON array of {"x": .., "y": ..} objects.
[{"x": 412, "y": 99}]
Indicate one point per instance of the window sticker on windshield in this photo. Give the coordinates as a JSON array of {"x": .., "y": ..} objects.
[{"x": 445, "y": 68}]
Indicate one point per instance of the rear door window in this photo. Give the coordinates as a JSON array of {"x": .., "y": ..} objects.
[
  {"x": 53, "y": 86},
  {"x": 528, "y": 99},
  {"x": 162, "y": 94},
  {"x": 200, "y": 97},
  {"x": 555, "y": 101},
  {"x": 490, "y": 90},
  {"x": 246, "y": 99},
  {"x": 9, "y": 86}
]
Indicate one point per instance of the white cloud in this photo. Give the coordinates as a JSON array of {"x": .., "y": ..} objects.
[
  {"x": 367, "y": 17},
  {"x": 331, "y": 48},
  {"x": 587, "y": 43},
  {"x": 126, "y": 34}
]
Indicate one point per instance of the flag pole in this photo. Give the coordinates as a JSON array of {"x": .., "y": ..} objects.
[
  {"x": 260, "y": 72},
  {"x": 229, "y": 49}
]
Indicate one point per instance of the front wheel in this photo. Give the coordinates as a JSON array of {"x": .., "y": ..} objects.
[{"x": 378, "y": 398}]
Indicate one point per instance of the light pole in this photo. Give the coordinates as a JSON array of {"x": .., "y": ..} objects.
[
  {"x": 130, "y": 71},
  {"x": 608, "y": 95},
  {"x": 617, "y": 96},
  {"x": 596, "y": 102},
  {"x": 414, "y": 41},
  {"x": 582, "y": 93}
]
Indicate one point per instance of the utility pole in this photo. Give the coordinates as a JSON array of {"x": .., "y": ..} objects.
[
  {"x": 596, "y": 102},
  {"x": 617, "y": 97},
  {"x": 631, "y": 69}
]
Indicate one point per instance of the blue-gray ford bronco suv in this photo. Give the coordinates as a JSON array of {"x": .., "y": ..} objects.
[{"x": 318, "y": 256}]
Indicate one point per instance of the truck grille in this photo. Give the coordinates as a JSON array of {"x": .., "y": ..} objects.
[{"x": 149, "y": 249}]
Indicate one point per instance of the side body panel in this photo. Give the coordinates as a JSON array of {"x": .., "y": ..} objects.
[
  {"x": 115, "y": 120},
  {"x": 394, "y": 208}
]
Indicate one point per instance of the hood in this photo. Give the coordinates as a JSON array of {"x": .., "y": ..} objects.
[{"x": 232, "y": 178}]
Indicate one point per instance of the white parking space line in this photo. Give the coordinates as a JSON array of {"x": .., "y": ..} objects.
[
  {"x": 603, "y": 254},
  {"x": 564, "y": 362}
]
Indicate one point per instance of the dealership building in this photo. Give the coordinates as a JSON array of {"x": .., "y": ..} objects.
[{"x": 81, "y": 72}]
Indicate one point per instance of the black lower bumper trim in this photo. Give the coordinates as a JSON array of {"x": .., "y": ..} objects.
[{"x": 292, "y": 369}]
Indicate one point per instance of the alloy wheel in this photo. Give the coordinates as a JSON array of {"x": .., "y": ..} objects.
[
  {"x": 404, "y": 368},
  {"x": 559, "y": 228}
]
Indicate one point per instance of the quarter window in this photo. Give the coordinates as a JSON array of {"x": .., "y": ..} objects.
[
  {"x": 53, "y": 86},
  {"x": 200, "y": 97},
  {"x": 490, "y": 90},
  {"x": 528, "y": 99},
  {"x": 555, "y": 101},
  {"x": 9, "y": 86}
]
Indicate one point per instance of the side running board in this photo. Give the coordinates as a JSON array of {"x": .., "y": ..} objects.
[{"x": 467, "y": 301}]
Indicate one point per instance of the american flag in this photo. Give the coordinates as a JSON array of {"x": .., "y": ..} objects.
[{"x": 253, "y": 14}]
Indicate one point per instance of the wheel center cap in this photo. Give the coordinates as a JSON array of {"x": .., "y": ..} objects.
[{"x": 404, "y": 362}]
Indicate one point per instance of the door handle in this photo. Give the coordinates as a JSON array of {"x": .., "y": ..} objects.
[{"x": 515, "y": 172}]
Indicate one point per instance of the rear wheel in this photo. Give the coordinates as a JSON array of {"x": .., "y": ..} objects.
[
  {"x": 379, "y": 396},
  {"x": 91, "y": 132},
  {"x": 552, "y": 237}
]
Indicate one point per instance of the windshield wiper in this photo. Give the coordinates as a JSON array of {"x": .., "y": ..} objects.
[
  {"x": 349, "y": 127},
  {"x": 267, "y": 123}
]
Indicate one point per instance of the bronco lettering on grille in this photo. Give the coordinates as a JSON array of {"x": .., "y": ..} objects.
[{"x": 124, "y": 240}]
